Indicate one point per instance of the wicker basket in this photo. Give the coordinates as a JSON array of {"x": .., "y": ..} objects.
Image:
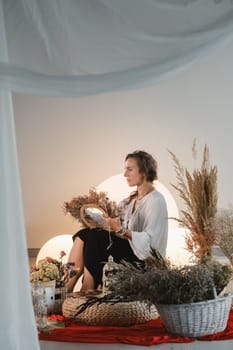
[
  {"x": 196, "y": 319},
  {"x": 109, "y": 314}
]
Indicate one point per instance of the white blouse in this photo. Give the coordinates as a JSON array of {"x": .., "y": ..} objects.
[{"x": 148, "y": 224}]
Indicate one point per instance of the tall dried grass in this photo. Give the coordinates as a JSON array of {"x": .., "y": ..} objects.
[{"x": 198, "y": 190}]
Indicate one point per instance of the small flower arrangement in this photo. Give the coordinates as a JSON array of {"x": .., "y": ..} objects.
[{"x": 50, "y": 269}]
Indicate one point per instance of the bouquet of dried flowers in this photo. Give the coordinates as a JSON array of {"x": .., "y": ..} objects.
[
  {"x": 101, "y": 200},
  {"x": 50, "y": 269},
  {"x": 198, "y": 190}
]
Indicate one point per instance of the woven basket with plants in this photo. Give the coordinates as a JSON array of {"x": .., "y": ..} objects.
[
  {"x": 187, "y": 297},
  {"x": 97, "y": 308}
]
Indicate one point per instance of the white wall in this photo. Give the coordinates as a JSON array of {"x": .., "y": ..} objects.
[{"x": 66, "y": 146}]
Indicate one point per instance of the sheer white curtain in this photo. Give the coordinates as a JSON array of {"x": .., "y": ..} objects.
[
  {"x": 17, "y": 329},
  {"x": 75, "y": 48},
  {"x": 17, "y": 324}
]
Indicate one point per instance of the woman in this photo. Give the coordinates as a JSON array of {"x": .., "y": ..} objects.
[
  {"x": 142, "y": 225},
  {"x": 145, "y": 221}
]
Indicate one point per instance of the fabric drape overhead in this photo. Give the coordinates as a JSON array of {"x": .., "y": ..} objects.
[{"x": 83, "y": 47}]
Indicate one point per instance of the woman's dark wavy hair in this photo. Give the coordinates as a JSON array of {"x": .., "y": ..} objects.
[{"x": 146, "y": 163}]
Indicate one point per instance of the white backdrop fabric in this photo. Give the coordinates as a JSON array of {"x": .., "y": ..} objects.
[
  {"x": 76, "y": 48},
  {"x": 84, "y": 47}
]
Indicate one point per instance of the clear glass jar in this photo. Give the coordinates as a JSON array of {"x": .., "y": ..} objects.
[
  {"x": 109, "y": 270},
  {"x": 39, "y": 304}
]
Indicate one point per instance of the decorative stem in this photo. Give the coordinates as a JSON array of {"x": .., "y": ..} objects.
[{"x": 214, "y": 292}]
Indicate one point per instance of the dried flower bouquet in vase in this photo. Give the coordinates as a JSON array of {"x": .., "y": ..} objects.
[{"x": 53, "y": 275}]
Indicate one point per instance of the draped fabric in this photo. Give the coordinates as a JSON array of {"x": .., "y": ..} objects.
[
  {"x": 84, "y": 47},
  {"x": 147, "y": 334},
  {"x": 77, "y": 48},
  {"x": 17, "y": 325}
]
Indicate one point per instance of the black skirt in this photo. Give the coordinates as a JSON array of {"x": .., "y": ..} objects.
[{"x": 97, "y": 251}]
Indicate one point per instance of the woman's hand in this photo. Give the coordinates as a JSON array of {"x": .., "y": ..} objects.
[{"x": 113, "y": 224}]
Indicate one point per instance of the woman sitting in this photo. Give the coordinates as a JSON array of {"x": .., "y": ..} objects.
[{"x": 141, "y": 224}]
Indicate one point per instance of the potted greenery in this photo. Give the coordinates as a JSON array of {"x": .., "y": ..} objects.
[{"x": 187, "y": 297}]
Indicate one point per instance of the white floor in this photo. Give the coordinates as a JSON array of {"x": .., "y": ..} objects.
[{"x": 197, "y": 345}]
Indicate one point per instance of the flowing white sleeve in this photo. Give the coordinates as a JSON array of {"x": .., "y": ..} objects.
[{"x": 150, "y": 227}]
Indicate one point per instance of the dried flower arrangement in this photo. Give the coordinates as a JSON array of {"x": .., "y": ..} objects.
[
  {"x": 169, "y": 284},
  {"x": 224, "y": 224},
  {"x": 50, "y": 269},
  {"x": 198, "y": 190},
  {"x": 93, "y": 199}
]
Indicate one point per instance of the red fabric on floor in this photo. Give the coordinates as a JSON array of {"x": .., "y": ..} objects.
[
  {"x": 225, "y": 335},
  {"x": 150, "y": 333}
]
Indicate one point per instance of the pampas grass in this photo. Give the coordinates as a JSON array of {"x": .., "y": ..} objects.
[{"x": 198, "y": 190}]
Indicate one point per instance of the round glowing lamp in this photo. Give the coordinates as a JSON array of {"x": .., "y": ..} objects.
[{"x": 53, "y": 247}]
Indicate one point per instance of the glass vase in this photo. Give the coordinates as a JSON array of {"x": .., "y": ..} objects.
[
  {"x": 39, "y": 304},
  {"x": 49, "y": 287}
]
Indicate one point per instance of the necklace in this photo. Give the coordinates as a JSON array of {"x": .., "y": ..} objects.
[
  {"x": 138, "y": 199},
  {"x": 142, "y": 196}
]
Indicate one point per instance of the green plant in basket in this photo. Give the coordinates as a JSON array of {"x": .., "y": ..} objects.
[{"x": 170, "y": 284}]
